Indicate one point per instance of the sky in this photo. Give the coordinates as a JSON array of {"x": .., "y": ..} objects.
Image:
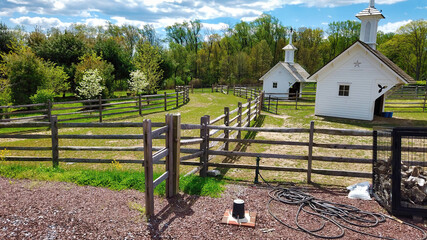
[{"x": 214, "y": 14}]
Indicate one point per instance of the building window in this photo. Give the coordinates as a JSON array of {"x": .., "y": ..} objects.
[
  {"x": 274, "y": 84},
  {"x": 344, "y": 90}
]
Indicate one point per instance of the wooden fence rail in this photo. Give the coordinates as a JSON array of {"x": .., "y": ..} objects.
[{"x": 95, "y": 108}]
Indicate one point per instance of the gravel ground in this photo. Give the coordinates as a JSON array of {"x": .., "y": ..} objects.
[{"x": 52, "y": 210}]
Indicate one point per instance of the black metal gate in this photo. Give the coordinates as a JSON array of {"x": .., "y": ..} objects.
[{"x": 400, "y": 170}]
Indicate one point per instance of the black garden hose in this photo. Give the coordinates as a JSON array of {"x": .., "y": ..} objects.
[{"x": 342, "y": 216}]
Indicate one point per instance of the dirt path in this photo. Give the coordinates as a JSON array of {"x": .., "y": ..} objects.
[{"x": 51, "y": 210}]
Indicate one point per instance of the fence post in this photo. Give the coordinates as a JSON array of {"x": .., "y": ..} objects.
[
  {"x": 310, "y": 151},
  {"x": 226, "y": 123},
  {"x": 277, "y": 104},
  {"x": 176, "y": 147},
  {"x": 234, "y": 90},
  {"x": 239, "y": 119},
  {"x": 169, "y": 158},
  {"x": 269, "y": 102},
  {"x": 139, "y": 105},
  {"x": 249, "y": 112},
  {"x": 425, "y": 99},
  {"x": 192, "y": 88},
  {"x": 54, "y": 136},
  {"x": 261, "y": 103},
  {"x": 204, "y": 146},
  {"x": 374, "y": 152},
  {"x": 246, "y": 92},
  {"x": 228, "y": 89},
  {"x": 148, "y": 169},
  {"x": 296, "y": 100},
  {"x": 166, "y": 101},
  {"x": 100, "y": 108},
  {"x": 49, "y": 109},
  {"x": 177, "y": 99}
]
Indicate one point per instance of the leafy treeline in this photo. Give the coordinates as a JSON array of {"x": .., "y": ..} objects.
[{"x": 240, "y": 54}]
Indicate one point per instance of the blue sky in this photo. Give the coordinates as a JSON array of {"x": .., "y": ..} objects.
[{"x": 214, "y": 14}]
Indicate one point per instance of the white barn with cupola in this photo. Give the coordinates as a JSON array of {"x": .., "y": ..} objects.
[
  {"x": 285, "y": 78},
  {"x": 355, "y": 84}
]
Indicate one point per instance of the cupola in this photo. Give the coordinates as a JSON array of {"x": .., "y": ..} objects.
[{"x": 370, "y": 17}]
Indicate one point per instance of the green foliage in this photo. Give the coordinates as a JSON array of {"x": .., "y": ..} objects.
[
  {"x": 42, "y": 96},
  {"x": 6, "y": 39},
  {"x": 148, "y": 60},
  {"x": 105, "y": 70},
  {"x": 112, "y": 51},
  {"x": 26, "y": 73}
]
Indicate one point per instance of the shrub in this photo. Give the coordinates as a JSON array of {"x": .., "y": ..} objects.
[
  {"x": 138, "y": 82},
  {"x": 90, "y": 86},
  {"x": 42, "y": 96},
  {"x": 105, "y": 70}
]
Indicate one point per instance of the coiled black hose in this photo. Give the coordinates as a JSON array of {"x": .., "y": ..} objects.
[{"x": 342, "y": 216}]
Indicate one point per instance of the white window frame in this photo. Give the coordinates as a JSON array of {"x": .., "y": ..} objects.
[{"x": 344, "y": 90}]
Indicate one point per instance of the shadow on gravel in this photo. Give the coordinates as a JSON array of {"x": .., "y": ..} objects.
[{"x": 177, "y": 207}]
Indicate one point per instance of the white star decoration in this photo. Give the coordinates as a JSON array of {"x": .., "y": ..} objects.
[{"x": 357, "y": 63}]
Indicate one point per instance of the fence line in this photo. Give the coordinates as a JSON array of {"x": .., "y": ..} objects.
[{"x": 96, "y": 108}]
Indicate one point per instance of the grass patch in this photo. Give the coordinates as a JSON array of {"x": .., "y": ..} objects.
[{"x": 110, "y": 178}]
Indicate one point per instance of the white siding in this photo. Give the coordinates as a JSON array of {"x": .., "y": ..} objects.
[
  {"x": 363, "y": 81},
  {"x": 280, "y": 75}
]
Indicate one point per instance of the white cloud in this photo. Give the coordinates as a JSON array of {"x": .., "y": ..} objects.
[
  {"x": 42, "y": 22},
  {"x": 216, "y": 27},
  {"x": 392, "y": 27},
  {"x": 123, "y": 21},
  {"x": 249, "y": 19}
]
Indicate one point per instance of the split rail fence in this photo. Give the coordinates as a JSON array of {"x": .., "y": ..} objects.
[{"x": 96, "y": 108}]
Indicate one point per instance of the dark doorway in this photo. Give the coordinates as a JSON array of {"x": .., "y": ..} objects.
[
  {"x": 293, "y": 90},
  {"x": 379, "y": 103}
]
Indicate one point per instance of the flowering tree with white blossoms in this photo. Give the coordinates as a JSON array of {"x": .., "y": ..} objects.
[
  {"x": 90, "y": 86},
  {"x": 137, "y": 82}
]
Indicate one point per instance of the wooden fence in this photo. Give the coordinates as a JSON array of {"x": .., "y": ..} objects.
[
  {"x": 96, "y": 108},
  {"x": 272, "y": 101},
  {"x": 169, "y": 131},
  {"x": 409, "y": 92}
]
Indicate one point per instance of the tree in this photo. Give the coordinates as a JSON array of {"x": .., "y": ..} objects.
[
  {"x": 137, "y": 82},
  {"x": 6, "y": 39},
  {"x": 91, "y": 84},
  {"x": 148, "y": 59},
  {"x": 26, "y": 73},
  {"x": 415, "y": 37},
  {"x": 308, "y": 42},
  {"x": 112, "y": 51},
  {"x": 261, "y": 58},
  {"x": 341, "y": 35},
  {"x": 91, "y": 61}
]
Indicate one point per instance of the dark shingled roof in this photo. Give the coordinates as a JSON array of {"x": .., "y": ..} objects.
[
  {"x": 389, "y": 63},
  {"x": 381, "y": 57}
]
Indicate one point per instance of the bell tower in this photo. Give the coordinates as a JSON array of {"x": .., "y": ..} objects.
[
  {"x": 290, "y": 51},
  {"x": 370, "y": 17}
]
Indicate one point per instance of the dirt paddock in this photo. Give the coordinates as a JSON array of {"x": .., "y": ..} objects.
[{"x": 52, "y": 210}]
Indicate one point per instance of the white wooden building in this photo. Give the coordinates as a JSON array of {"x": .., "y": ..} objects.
[
  {"x": 354, "y": 84},
  {"x": 285, "y": 78}
]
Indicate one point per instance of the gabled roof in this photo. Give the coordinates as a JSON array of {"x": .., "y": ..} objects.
[
  {"x": 298, "y": 72},
  {"x": 289, "y": 47},
  {"x": 391, "y": 65},
  {"x": 369, "y": 11}
]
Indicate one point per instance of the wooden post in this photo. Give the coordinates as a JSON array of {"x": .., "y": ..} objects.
[
  {"x": 192, "y": 88},
  {"x": 296, "y": 100},
  {"x": 269, "y": 102},
  {"x": 310, "y": 151},
  {"x": 169, "y": 158},
  {"x": 166, "y": 101},
  {"x": 249, "y": 112},
  {"x": 261, "y": 103},
  {"x": 277, "y": 104},
  {"x": 148, "y": 168},
  {"x": 139, "y": 105},
  {"x": 239, "y": 119},
  {"x": 234, "y": 90},
  {"x": 228, "y": 89},
  {"x": 246, "y": 92},
  {"x": 425, "y": 99},
  {"x": 100, "y": 108},
  {"x": 176, "y": 148},
  {"x": 204, "y": 146},
  {"x": 49, "y": 110},
  {"x": 54, "y": 136},
  {"x": 177, "y": 99},
  {"x": 226, "y": 123}
]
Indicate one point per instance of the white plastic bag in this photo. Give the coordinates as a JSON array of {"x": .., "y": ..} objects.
[{"x": 359, "y": 191}]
